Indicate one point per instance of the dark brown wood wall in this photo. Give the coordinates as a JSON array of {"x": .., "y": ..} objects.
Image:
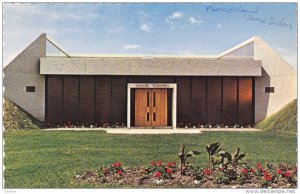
[
  {"x": 184, "y": 114},
  {"x": 119, "y": 100},
  {"x": 103, "y": 99},
  {"x": 87, "y": 99},
  {"x": 227, "y": 100},
  {"x": 214, "y": 100},
  {"x": 245, "y": 100},
  {"x": 54, "y": 106},
  {"x": 71, "y": 99},
  {"x": 230, "y": 105},
  {"x": 198, "y": 99}
]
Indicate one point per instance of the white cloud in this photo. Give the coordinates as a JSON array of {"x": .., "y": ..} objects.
[
  {"x": 145, "y": 27},
  {"x": 177, "y": 20},
  {"x": 131, "y": 46},
  {"x": 174, "y": 19},
  {"x": 176, "y": 15},
  {"x": 195, "y": 20},
  {"x": 219, "y": 25}
]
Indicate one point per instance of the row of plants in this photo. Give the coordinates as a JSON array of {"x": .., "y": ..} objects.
[
  {"x": 211, "y": 125},
  {"x": 69, "y": 124},
  {"x": 223, "y": 170}
]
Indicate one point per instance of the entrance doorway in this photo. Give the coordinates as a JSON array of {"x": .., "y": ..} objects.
[{"x": 151, "y": 108}]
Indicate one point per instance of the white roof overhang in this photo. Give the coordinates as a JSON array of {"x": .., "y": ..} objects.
[{"x": 150, "y": 66}]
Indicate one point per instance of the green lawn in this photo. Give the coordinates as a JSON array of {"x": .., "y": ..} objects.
[{"x": 51, "y": 159}]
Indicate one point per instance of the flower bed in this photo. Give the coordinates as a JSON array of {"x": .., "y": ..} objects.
[
  {"x": 160, "y": 174},
  {"x": 224, "y": 170}
]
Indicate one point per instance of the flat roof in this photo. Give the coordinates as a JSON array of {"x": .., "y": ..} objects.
[{"x": 160, "y": 66}]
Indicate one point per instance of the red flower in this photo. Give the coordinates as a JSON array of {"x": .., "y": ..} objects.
[
  {"x": 253, "y": 170},
  {"x": 105, "y": 171},
  {"x": 171, "y": 164},
  {"x": 169, "y": 171},
  {"x": 279, "y": 171},
  {"x": 153, "y": 163},
  {"x": 222, "y": 169},
  {"x": 245, "y": 171},
  {"x": 158, "y": 175},
  {"x": 120, "y": 172},
  {"x": 288, "y": 173},
  {"x": 118, "y": 164},
  {"x": 268, "y": 177},
  {"x": 258, "y": 165},
  {"x": 207, "y": 172},
  {"x": 159, "y": 163}
]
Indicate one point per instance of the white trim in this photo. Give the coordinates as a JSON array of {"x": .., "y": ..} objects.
[
  {"x": 57, "y": 46},
  {"x": 141, "y": 56},
  {"x": 237, "y": 46},
  {"x": 172, "y": 86}
]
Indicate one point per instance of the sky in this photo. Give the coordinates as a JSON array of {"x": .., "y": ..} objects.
[{"x": 150, "y": 28}]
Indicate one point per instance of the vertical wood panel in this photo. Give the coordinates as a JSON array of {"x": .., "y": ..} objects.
[
  {"x": 87, "y": 101},
  {"x": 54, "y": 100},
  {"x": 245, "y": 100},
  {"x": 214, "y": 100},
  {"x": 183, "y": 99},
  {"x": 160, "y": 108},
  {"x": 142, "y": 107},
  {"x": 103, "y": 99},
  {"x": 198, "y": 103},
  {"x": 229, "y": 113},
  {"x": 71, "y": 99},
  {"x": 119, "y": 99}
]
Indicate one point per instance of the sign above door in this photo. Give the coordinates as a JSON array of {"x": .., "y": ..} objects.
[{"x": 153, "y": 85}]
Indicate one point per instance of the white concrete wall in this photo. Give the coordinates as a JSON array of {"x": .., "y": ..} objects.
[
  {"x": 24, "y": 71},
  {"x": 277, "y": 73}
]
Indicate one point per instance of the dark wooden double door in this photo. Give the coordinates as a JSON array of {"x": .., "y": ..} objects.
[{"x": 151, "y": 108}]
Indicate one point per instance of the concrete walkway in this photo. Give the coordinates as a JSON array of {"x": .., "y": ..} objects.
[{"x": 153, "y": 131}]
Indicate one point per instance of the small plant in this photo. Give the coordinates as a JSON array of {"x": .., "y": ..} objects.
[
  {"x": 212, "y": 150},
  {"x": 228, "y": 159},
  {"x": 183, "y": 156},
  {"x": 115, "y": 168},
  {"x": 198, "y": 174},
  {"x": 221, "y": 176},
  {"x": 267, "y": 180},
  {"x": 159, "y": 170},
  {"x": 244, "y": 175}
]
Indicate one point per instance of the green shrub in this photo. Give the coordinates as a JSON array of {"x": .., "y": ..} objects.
[{"x": 15, "y": 118}]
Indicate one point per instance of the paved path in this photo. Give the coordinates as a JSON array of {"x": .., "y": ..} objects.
[{"x": 152, "y": 131}]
